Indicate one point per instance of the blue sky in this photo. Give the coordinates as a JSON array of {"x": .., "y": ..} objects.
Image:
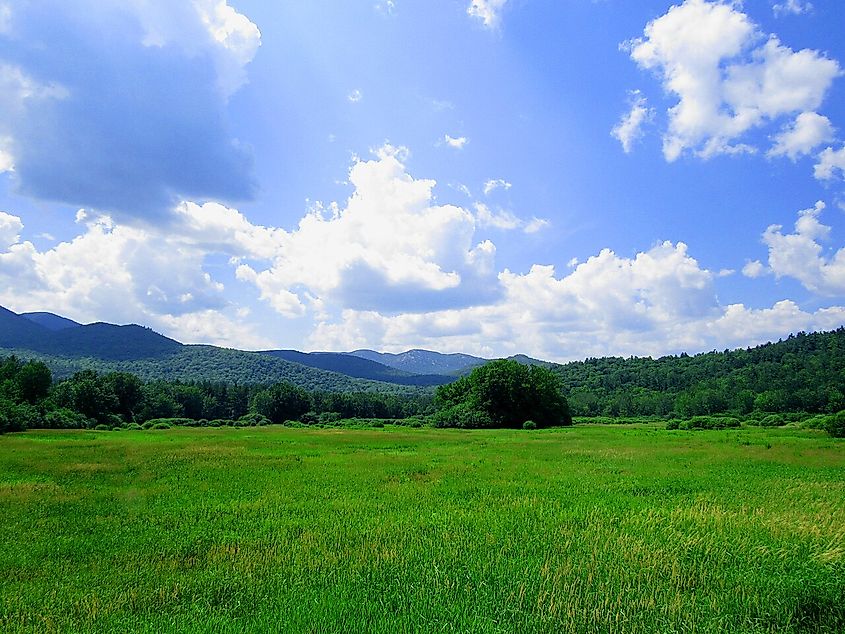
[{"x": 561, "y": 178}]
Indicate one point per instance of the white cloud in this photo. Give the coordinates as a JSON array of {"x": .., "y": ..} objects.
[
  {"x": 808, "y": 131},
  {"x": 830, "y": 162},
  {"x": 355, "y": 96},
  {"x": 389, "y": 247},
  {"x": 488, "y": 11},
  {"x": 10, "y": 229},
  {"x": 754, "y": 269},
  {"x": 800, "y": 255},
  {"x": 629, "y": 128},
  {"x": 149, "y": 275},
  {"x": 535, "y": 225},
  {"x": 457, "y": 143},
  {"x": 499, "y": 219},
  {"x": 5, "y": 18},
  {"x": 388, "y": 7},
  {"x": 708, "y": 54},
  {"x": 794, "y": 7},
  {"x": 496, "y": 183},
  {"x": 658, "y": 302},
  {"x": 7, "y": 163}
]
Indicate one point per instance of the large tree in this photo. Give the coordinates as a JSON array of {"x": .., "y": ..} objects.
[{"x": 504, "y": 393}]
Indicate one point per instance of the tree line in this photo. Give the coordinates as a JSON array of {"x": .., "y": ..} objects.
[
  {"x": 30, "y": 399},
  {"x": 804, "y": 373}
]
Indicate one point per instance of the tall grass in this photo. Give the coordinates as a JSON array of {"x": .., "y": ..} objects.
[{"x": 588, "y": 529}]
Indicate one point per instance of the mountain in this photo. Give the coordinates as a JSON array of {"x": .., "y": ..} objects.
[
  {"x": 216, "y": 365},
  {"x": 423, "y": 361},
  {"x": 17, "y": 331},
  {"x": 67, "y": 347},
  {"x": 115, "y": 343},
  {"x": 101, "y": 341},
  {"x": 526, "y": 360},
  {"x": 358, "y": 367},
  {"x": 50, "y": 321}
]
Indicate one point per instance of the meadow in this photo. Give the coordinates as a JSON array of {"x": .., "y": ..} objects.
[{"x": 618, "y": 529}]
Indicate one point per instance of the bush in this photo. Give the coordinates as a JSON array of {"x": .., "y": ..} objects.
[
  {"x": 772, "y": 420},
  {"x": 102, "y": 427},
  {"x": 835, "y": 425},
  {"x": 254, "y": 420},
  {"x": 529, "y": 424},
  {"x": 19, "y": 416},
  {"x": 64, "y": 418},
  {"x": 170, "y": 422},
  {"x": 463, "y": 416},
  {"x": 221, "y": 422},
  {"x": 132, "y": 427},
  {"x": 161, "y": 425},
  {"x": 705, "y": 422}
]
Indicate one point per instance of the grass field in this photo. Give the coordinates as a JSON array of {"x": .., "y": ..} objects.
[{"x": 586, "y": 529}]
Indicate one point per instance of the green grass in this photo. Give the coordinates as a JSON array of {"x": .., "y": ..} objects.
[{"x": 587, "y": 529}]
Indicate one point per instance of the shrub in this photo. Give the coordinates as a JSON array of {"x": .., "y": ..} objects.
[
  {"x": 308, "y": 418},
  {"x": 772, "y": 420},
  {"x": 673, "y": 424},
  {"x": 254, "y": 419},
  {"x": 463, "y": 416},
  {"x": 161, "y": 425},
  {"x": 102, "y": 427},
  {"x": 221, "y": 422},
  {"x": 835, "y": 425},
  {"x": 529, "y": 424},
  {"x": 64, "y": 418},
  {"x": 132, "y": 427},
  {"x": 171, "y": 422}
]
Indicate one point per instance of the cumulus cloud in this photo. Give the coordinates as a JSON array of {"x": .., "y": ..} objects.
[
  {"x": 138, "y": 120},
  {"x": 806, "y": 133},
  {"x": 488, "y": 11},
  {"x": 122, "y": 273},
  {"x": 800, "y": 255},
  {"x": 657, "y": 302},
  {"x": 629, "y": 128},
  {"x": 830, "y": 162},
  {"x": 355, "y": 96},
  {"x": 390, "y": 247},
  {"x": 10, "y": 229},
  {"x": 754, "y": 269},
  {"x": 793, "y": 7},
  {"x": 456, "y": 143},
  {"x": 727, "y": 76}
]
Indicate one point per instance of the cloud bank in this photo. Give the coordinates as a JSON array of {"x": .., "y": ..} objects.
[{"x": 109, "y": 114}]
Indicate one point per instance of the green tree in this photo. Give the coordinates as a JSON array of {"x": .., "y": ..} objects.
[
  {"x": 34, "y": 379},
  {"x": 281, "y": 402},
  {"x": 508, "y": 393}
]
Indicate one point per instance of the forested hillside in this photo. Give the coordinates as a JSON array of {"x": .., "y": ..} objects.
[
  {"x": 208, "y": 363},
  {"x": 805, "y": 372},
  {"x": 358, "y": 367}
]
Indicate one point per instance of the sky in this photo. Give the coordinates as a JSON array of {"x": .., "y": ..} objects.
[{"x": 558, "y": 178}]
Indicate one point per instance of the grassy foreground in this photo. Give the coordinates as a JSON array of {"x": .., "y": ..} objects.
[{"x": 586, "y": 529}]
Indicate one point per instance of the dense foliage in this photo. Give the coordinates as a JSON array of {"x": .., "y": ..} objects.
[
  {"x": 503, "y": 393},
  {"x": 806, "y": 372},
  {"x": 208, "y": 363},
  {"x": 30, "y": 400}
]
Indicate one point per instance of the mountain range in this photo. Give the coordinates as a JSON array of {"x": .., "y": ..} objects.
[{"x": 67, "y": 347}]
